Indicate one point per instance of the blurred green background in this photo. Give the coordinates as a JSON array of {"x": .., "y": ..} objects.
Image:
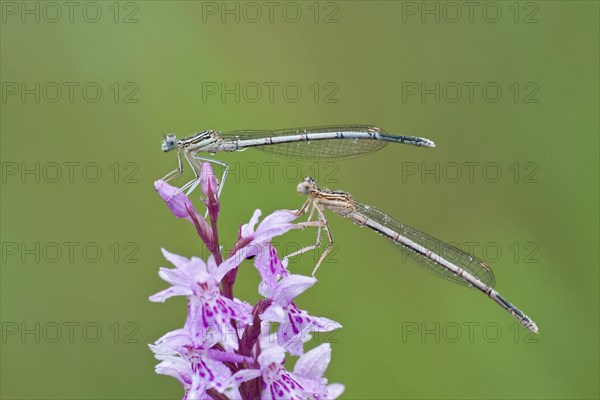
[{"x": 514, "y": 177}]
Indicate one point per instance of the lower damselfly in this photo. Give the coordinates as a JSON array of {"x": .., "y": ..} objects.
[
  {"x": 320, "y": 143},
  {"x": 444, "y": 260}
]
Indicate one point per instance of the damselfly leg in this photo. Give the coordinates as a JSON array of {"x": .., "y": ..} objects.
[
  {"x": 196, "y": 162},
  {"x": 322, "y": 224},
  {"x": 177, "y": 171}
]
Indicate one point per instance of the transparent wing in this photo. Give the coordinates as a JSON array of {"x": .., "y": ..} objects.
[
  {"x": 467, "y": 262},
  {"x": 316, "y": 150}
]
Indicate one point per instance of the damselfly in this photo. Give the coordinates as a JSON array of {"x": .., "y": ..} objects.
[
  {"x": 313, "y": 143},
  {"x": 434, "y": 255}
]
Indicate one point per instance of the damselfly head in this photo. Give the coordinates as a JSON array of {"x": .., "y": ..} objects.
[
  {"x": 306, "y": 186},
  {"x": 169, "y": 143}
]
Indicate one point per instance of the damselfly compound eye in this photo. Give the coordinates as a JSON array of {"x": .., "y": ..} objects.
[
  {"x": 169, "y": 143},
  {"x": 303, "y": 188}
]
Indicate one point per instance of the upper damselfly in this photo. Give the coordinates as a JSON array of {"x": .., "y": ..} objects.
[{"x": 319, "y": 143}]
